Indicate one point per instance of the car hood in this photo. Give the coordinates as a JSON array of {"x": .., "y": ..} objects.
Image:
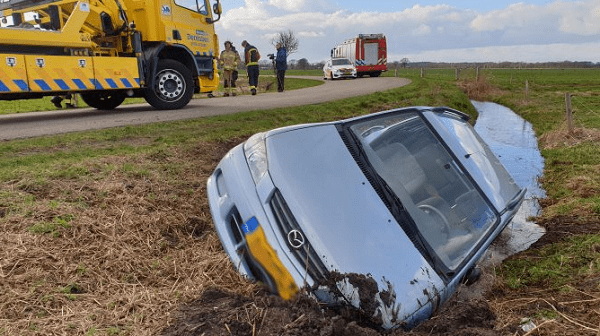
[{"x": 346, "y": 222}]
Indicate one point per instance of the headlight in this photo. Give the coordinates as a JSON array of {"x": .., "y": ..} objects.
[{"x": 255, "y": 150}]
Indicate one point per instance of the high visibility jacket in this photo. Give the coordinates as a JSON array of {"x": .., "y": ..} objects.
[
  {"x": 229, "y": 60},
  {"x": 251, "y": 55}
]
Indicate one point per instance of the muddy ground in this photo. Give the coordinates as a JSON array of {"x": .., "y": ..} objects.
[
  {"x": 128, "y": 252},
  {"x": 485, "y": 308}
]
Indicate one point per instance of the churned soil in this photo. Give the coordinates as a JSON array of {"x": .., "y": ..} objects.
[
  {"x": 219, "y": 312},
  {"x": 485, "y": 308}
]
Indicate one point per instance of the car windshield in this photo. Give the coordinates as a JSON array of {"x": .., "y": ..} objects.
[
  {"x": 449, "y": 212},
  {"x": 341, "y": 61}
]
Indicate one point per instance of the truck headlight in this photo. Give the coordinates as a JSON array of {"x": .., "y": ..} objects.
[{"x": 255, "y": 150}]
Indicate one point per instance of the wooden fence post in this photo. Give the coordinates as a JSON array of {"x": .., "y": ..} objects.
[
  {"x": 526, "y": 89},
  {"x": 422, "y": 73},
  {"x": 569, "y": 112},
  {"x": 457, "y": 73}
]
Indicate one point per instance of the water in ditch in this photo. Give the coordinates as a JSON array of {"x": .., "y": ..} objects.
[{"x": 513, "y": 140}]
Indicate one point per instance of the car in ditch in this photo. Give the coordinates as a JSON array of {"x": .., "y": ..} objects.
[
  {"x": 339, "y": 68},
  {"x": 386, "y": 212}
]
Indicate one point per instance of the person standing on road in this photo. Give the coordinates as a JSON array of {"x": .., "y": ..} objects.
[
  {"x": 280, "y": 66},
  {"x": 229, "y": 60},
  {"x": 251, "y": 57}
]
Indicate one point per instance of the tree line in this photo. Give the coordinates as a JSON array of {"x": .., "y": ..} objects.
[{"x": 305, "y": 64}]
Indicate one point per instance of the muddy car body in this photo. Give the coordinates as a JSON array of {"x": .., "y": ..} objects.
[
  {"x": 386, "y": 212},
  {"x": 339, "y": 68}
]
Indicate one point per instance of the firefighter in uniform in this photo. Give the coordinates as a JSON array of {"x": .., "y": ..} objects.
[
  {"x": 251, "y": 57},
  {"x": 229, "y": 60}
]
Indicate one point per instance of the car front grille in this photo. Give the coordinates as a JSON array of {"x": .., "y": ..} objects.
[{"x": 306, "y": 255}]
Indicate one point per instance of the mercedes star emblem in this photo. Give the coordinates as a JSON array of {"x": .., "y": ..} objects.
[{"x": 296, "y": 239}]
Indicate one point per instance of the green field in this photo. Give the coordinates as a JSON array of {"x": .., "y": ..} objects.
[{"x": 107, "y": 232}]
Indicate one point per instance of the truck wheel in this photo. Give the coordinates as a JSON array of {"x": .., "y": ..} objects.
[
  {"x": 173, "y": 86},
  {"x": 107, "y": 100}
]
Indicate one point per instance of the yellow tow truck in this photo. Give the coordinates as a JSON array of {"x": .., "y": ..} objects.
[{"x": 108, "y": 50}]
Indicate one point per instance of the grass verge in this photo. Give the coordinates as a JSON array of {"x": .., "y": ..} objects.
[
  {"x": 108, "y": 232},
  {"x": 555, "y": 284}
]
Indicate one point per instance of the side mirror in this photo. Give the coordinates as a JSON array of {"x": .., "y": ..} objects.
[{"x": 217, "y": 8}]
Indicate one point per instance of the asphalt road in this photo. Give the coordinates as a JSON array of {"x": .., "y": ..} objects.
[{"x": 27, "y": 125}]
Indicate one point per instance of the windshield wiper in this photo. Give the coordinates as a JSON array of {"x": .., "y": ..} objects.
[
  {"x": 390, "y": 199},
  {"x": 388, "y": 196}
]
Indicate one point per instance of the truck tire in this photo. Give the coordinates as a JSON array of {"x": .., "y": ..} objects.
[
  {"x": 107, "y": 100},
  {"x": 173, "y": 86}
]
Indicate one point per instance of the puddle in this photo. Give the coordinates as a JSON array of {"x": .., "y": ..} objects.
[{"x": 513, "y": 140}]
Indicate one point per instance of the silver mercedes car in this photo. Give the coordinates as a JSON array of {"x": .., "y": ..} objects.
[{"x": 386, "y": 212}]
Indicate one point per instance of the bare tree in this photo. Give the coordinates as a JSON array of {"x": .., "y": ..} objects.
[{"x": 288, "y": 40}]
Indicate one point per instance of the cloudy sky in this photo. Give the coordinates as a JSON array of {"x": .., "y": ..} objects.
[{"x": 426, "y": 30}]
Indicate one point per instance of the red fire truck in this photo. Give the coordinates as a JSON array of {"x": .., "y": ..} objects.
[{"x": 367, "y": 51}]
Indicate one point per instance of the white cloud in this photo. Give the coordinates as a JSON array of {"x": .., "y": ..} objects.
[
  {"x": 578, "y": 18},
  {"x": 521, "y": 30},
  {"x": 516, "y": 15},
  {"x": 521, "y": 53},
  {"x": 289, "y": 5},
  {"x": 311, "y": 34},
  {"x": 422, "y": 30},
  {"x": 584, "y": 19}
]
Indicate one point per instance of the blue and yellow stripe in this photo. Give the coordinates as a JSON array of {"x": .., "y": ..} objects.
[{"x": 41, "y": 73}]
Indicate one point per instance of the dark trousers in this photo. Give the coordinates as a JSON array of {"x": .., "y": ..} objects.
[
  {"x": 253, "y": 76},
  {"x": 280, "y": 80}
]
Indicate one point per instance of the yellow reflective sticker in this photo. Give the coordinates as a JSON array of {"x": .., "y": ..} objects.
[{"x": 262, "y": 252}]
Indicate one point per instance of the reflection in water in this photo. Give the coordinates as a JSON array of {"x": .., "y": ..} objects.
[{"x": 512, "y": 139}]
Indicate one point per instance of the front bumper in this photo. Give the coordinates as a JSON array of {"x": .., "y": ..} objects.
[
  {"x": 244, "y": 227},
  {"x": 343, "y": 75}
]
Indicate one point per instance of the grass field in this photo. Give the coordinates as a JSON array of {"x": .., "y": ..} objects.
[{"x": 108, "y": 232}]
